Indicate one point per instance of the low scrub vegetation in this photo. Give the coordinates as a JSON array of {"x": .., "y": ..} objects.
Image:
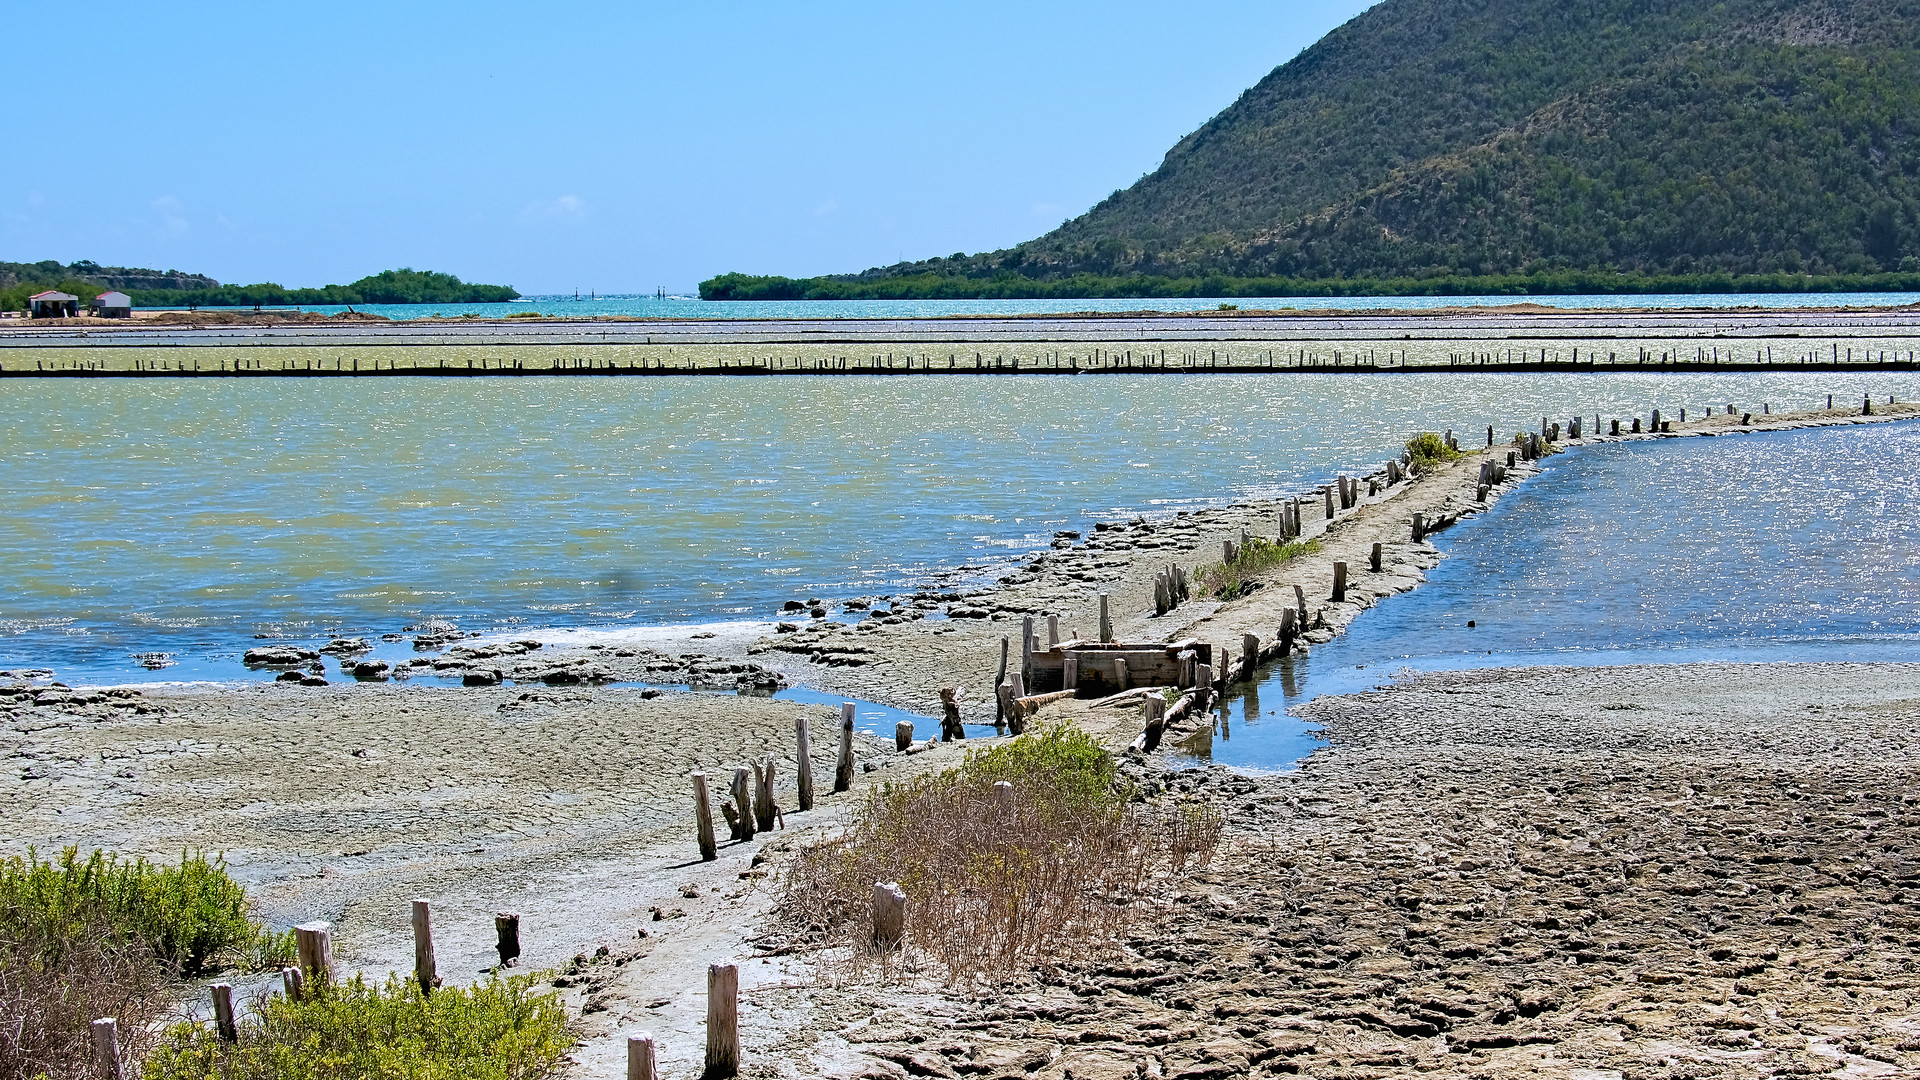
[
  {"x": 1228, "y": 581},
  {"x": 994, "y": 890},
  {"x": 498, "y": 1030},
  {"x": 104, "y": 936},
  {"x": 1428, "y": 448}
]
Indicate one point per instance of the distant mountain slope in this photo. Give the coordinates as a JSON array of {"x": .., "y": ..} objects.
[{"x": 1437, "y": 138}]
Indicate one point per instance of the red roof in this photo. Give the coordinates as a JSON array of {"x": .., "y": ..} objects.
[{"x": 53, "y": 294}]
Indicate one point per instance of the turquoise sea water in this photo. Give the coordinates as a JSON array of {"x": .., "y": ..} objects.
[
  {"x": 1801, "y": 545},
  {"x": 680, "y": 307},
  {"x": 185, "y": 518}
]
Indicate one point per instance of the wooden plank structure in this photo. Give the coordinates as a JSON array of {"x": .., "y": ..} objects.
[{"x": 1147, "y": 663}]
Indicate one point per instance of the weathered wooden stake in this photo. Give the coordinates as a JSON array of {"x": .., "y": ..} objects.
[
  {"x": 1119, "y": 673},
  {"x": 506, "y": 924},
  {"x": 723, "y": 1022},
  {"x": 1339, "y": 581},
  {"x": 1300, "y": 603},
  {"x": 106, "y": 1049},
  {"x": 1376, "y": 557},
  {"x": 1327, "y": 493},
  {"x": 803, "y": 760},
  {"x": 742, "y": 791},
  {"x": 902, "y": 735},
  {"x": 1156, "y": 720},
  {"x": 1250, "y": 653},
  {"x": 889, "y": 915},
  {"x": 1000, "y": 681},
  {"x": 425, "y": 970},
  {"x": 640, "y": 1058},
  {"x": 951, "y": 727},
  {"x": 1419, "y": 527},
  {"x": 763, "y": 781},
  {"x": 1070, "y": 673},
  {"x": 1003, "y": 796},
  {"x": 315, "y": 947},
  {"x": 1106, "y": 622},
  {"x": 1026, "y": 646},
  {"x": 1053, "y": 631},
  {"x": 223, "y": 1024},
  {"x": 293, "y": 983},
  {"x": 703, "y": 823},
  {"x": 843, "y": 768}
]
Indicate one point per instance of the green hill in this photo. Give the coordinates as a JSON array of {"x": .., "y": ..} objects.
[
  {"x": 172, "y": 288},
  {"x": 1516, "y": 144}
]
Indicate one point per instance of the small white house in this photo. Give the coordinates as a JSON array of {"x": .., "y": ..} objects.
[
  {"x": 113, "y": 305},
  {"x": 54, "y": 304}
]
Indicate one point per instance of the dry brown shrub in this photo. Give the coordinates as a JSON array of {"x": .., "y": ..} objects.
[
  {"x": 992, "y": 890},
  {"x": 52, "y": 989}
]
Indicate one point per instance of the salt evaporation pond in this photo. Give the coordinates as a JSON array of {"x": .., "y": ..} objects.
[
  {"x": 186, "y": 517},
  {"x": 1785, "y": 546}
]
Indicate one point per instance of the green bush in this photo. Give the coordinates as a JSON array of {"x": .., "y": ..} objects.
[
  {"x": 1226, "y": 581},
  {"x": 1427, "y": 448},
  {"x": 499, "y": 1030},
  {"x": 191, "y": 917}
]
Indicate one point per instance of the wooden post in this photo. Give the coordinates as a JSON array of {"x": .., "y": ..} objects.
[
  {"x": 1119, "y": 673},
  {"x": 903, "y": 735},
  {"x": 1160, "y": 588},
  {"x": 723, "y": 1021},
  {"x": 425, "y": 971},
  {"x": 1419, "y": 527},
  {"x": 1250, "y": 651},
  {"x": 106, "y": 1049},
  {"x": 293, "y": 983},
  {"x": 223, "y": 1024},
  {"x": 703, "y": 823},
  {"x": 889, "y": 915},
  {"x": 1376, "y": 557},
  {"x": 742, "y": 791},
  {"x": 803, "y": 760},
  {"x": 843, "y": 768},
  {"x": 1489, "y": 434},
  {"x": 763, "y": 808},
  {"x": 1106, "y": 622},
  {"x": 1300, "y": 602},
  {"x": 506, "y": 924},
  {"x": 315, "y": 947},
  {"x": 1327, "y": 492},
  {"x": 1053, "y": 631},
  {"x": 1000, "y": 680},
  {"x": 1339, "y": 581},
  {"x": 1287, "y": 630},
  {"x": 1070, "y": 673},
  {"x": 951, "y": 727},
  {"x": 1003, "y": 797},
  {"x": 1026, "y": 647},
  {"x": 1156, "y": 721},
  {"x": 640, "y": 1059}
]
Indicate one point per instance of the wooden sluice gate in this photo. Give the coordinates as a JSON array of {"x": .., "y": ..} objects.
[{"x": 1094, "y": 669}]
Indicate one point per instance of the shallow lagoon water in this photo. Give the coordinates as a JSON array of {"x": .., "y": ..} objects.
[
  {"x": 186, "y": 518},
  {"x": 1785, "y": 546}
]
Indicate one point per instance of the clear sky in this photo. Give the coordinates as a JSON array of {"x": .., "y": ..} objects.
[{"x": 611, "y": 147}]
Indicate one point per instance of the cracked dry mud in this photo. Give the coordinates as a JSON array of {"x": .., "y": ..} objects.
[{"x": 1701, "y": 871}]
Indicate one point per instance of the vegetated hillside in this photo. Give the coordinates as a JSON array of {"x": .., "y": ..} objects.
[
  {"x": 154, "y": 288},
  {"x": 1461, "y": 139},
  {"x": 124, "y": 278}
]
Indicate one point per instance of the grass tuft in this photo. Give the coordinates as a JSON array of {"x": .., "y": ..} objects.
[
  {"x": 1228, "y": 581},
  {"x": 498, "y": 1030},
  {"x": 993, "y": 892}
]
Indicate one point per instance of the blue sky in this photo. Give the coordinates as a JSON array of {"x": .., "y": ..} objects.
[{"x": 599, "y": 146}]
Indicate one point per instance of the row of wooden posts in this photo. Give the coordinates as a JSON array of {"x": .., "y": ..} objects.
[
  {"x": 313, "y": 947},
  {"x": 751, "y": 807}
]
